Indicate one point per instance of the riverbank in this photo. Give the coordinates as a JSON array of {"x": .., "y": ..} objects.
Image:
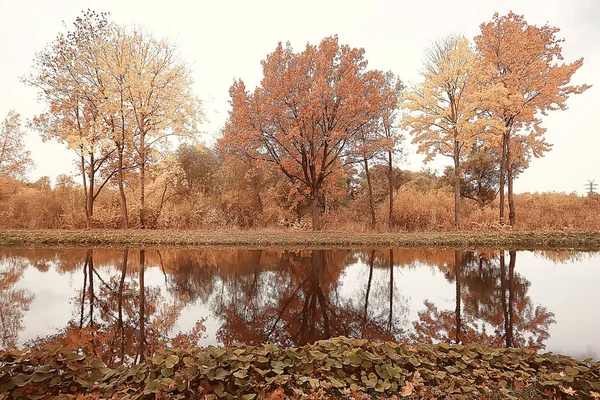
[
  {"x": 335, "y": 368},
  {"x": 266, "y": 238}
]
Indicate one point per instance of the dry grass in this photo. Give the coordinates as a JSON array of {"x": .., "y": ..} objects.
[{"x": 265, "y": 238}]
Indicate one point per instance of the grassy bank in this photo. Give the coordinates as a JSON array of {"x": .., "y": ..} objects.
[
  {"x": 507, "y": 240},
  {"x": 336, "y": 368}
]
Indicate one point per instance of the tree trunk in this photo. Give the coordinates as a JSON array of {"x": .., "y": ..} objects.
[
  {"x": 456, "y": 188},
  {"x": 163, "y": 198},
  {"x": 142, "y": 339},
  {"x": 316, "y": 211},
  {"x": 391, "y": 190},
  {"x": 256, "y": 187},
  {"x": 90, "y": 265},
  {"x": 371, "y": 265},
  {"x": 511, "y": 199},
  {"x": 121, "y": 329},
  {"x": 503, "y": 298},
  {"x": 511, "y": 271},
  {"x": 142, "y": 176},
  {"x": 121, "y": 150},
  {"x": 391, "y": 313},
  {"x": 457, "y": 278},
  {"x": 124, "y": 217},
  {"x": 90, "y": 197},
  {"x": 88, "y": 217},
  {"x": 83, "y": 294},
  {"x": 502, "y": 177},
  {"x": 370, "y": 187}
]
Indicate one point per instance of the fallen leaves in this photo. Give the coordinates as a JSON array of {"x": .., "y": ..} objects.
[
  {"x": 570, "y": 391},
  {"x": 310, "y": 371},
  {"x": 407, "y": 389}
]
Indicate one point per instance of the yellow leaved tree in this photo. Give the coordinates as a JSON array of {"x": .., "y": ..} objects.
[
  {"x": 446, "y": 113},
  {"x": 14, "y": 159},
  {"x": 114, "y": 96},
  {"x": 160, "y": 98}
]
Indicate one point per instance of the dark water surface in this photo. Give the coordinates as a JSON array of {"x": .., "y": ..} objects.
[{"x": 124, "y": 303}]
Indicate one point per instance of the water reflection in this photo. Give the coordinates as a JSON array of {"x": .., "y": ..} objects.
[
  {"x": 280, "y": 296},
  {"x": 492, "y": 305},
  {"x": 14, "y": 301}
]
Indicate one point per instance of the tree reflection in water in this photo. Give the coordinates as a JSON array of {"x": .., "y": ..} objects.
[
  {"x": 496, "y": 309},
  {"x": 120, "y": 319},
  {"x": 280, "y": 296},
  {"x": 14, "y": 301}
]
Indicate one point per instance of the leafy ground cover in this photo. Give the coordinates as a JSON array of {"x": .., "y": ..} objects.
[
  {"x": 512, "y": 240},
  {"x": 335, "y": 368}
]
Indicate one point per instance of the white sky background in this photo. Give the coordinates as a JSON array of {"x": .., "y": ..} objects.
[{"x": 223, "y": 40}]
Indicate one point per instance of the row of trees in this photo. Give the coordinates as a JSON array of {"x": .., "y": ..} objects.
[
  {"x": 116, "y": 95},
  {"x": 491, "y": 97},
  {"x": 320, "y": 109}
]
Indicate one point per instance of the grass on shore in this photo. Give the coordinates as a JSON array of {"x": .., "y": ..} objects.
[{"x": 136, "y": 237}]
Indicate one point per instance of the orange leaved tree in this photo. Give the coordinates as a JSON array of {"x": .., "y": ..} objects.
[
  {"x": 525, "y": 60},
  {"x": 306, "y": 113}
]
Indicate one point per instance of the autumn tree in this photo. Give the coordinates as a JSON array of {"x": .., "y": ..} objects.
[
  {"x": 445, "y": 110},
  {"x": 526, "y": 62},
  {"x": 367, "y": 147},
  {"x": 379, "y": 137},
  {"x": 305, "y": 113},
  {"x": 169, "y": 177},
  {"x": 243, "y": 184},
  {"x": 390, "y": 135},
  {"x": 115, "y": 62},
  {"x": 200, "y": 166},
  {"x": 160, "y": 96},
  {"x": 14, "y": 159},
  {"x": 481, "y": 178},
  {"x": 148, "y": 97},
  {"x": 69, "y": 81}
]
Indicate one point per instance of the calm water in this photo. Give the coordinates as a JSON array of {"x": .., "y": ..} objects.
[{"x": 120, "y": 304}]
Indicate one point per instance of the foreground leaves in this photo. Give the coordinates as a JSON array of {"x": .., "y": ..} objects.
[{"x": 335, "y": 368}]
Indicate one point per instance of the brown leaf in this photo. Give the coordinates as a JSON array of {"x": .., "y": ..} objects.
[
  {"x": 407, "y": 389},
  {"x": 278, "y": 394},
  {"x": 570, "y": 391}
]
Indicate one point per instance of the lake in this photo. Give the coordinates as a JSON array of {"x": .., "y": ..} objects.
[{"x": 121, "y": 304}]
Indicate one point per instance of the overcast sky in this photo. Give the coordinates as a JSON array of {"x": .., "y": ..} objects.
[{"x": 223, "y": 40}]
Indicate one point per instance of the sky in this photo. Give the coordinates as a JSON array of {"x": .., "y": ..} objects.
[{"x": 225, "y": 40}]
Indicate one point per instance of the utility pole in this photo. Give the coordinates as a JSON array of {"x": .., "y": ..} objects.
[{"x": 591, "y": 186}]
